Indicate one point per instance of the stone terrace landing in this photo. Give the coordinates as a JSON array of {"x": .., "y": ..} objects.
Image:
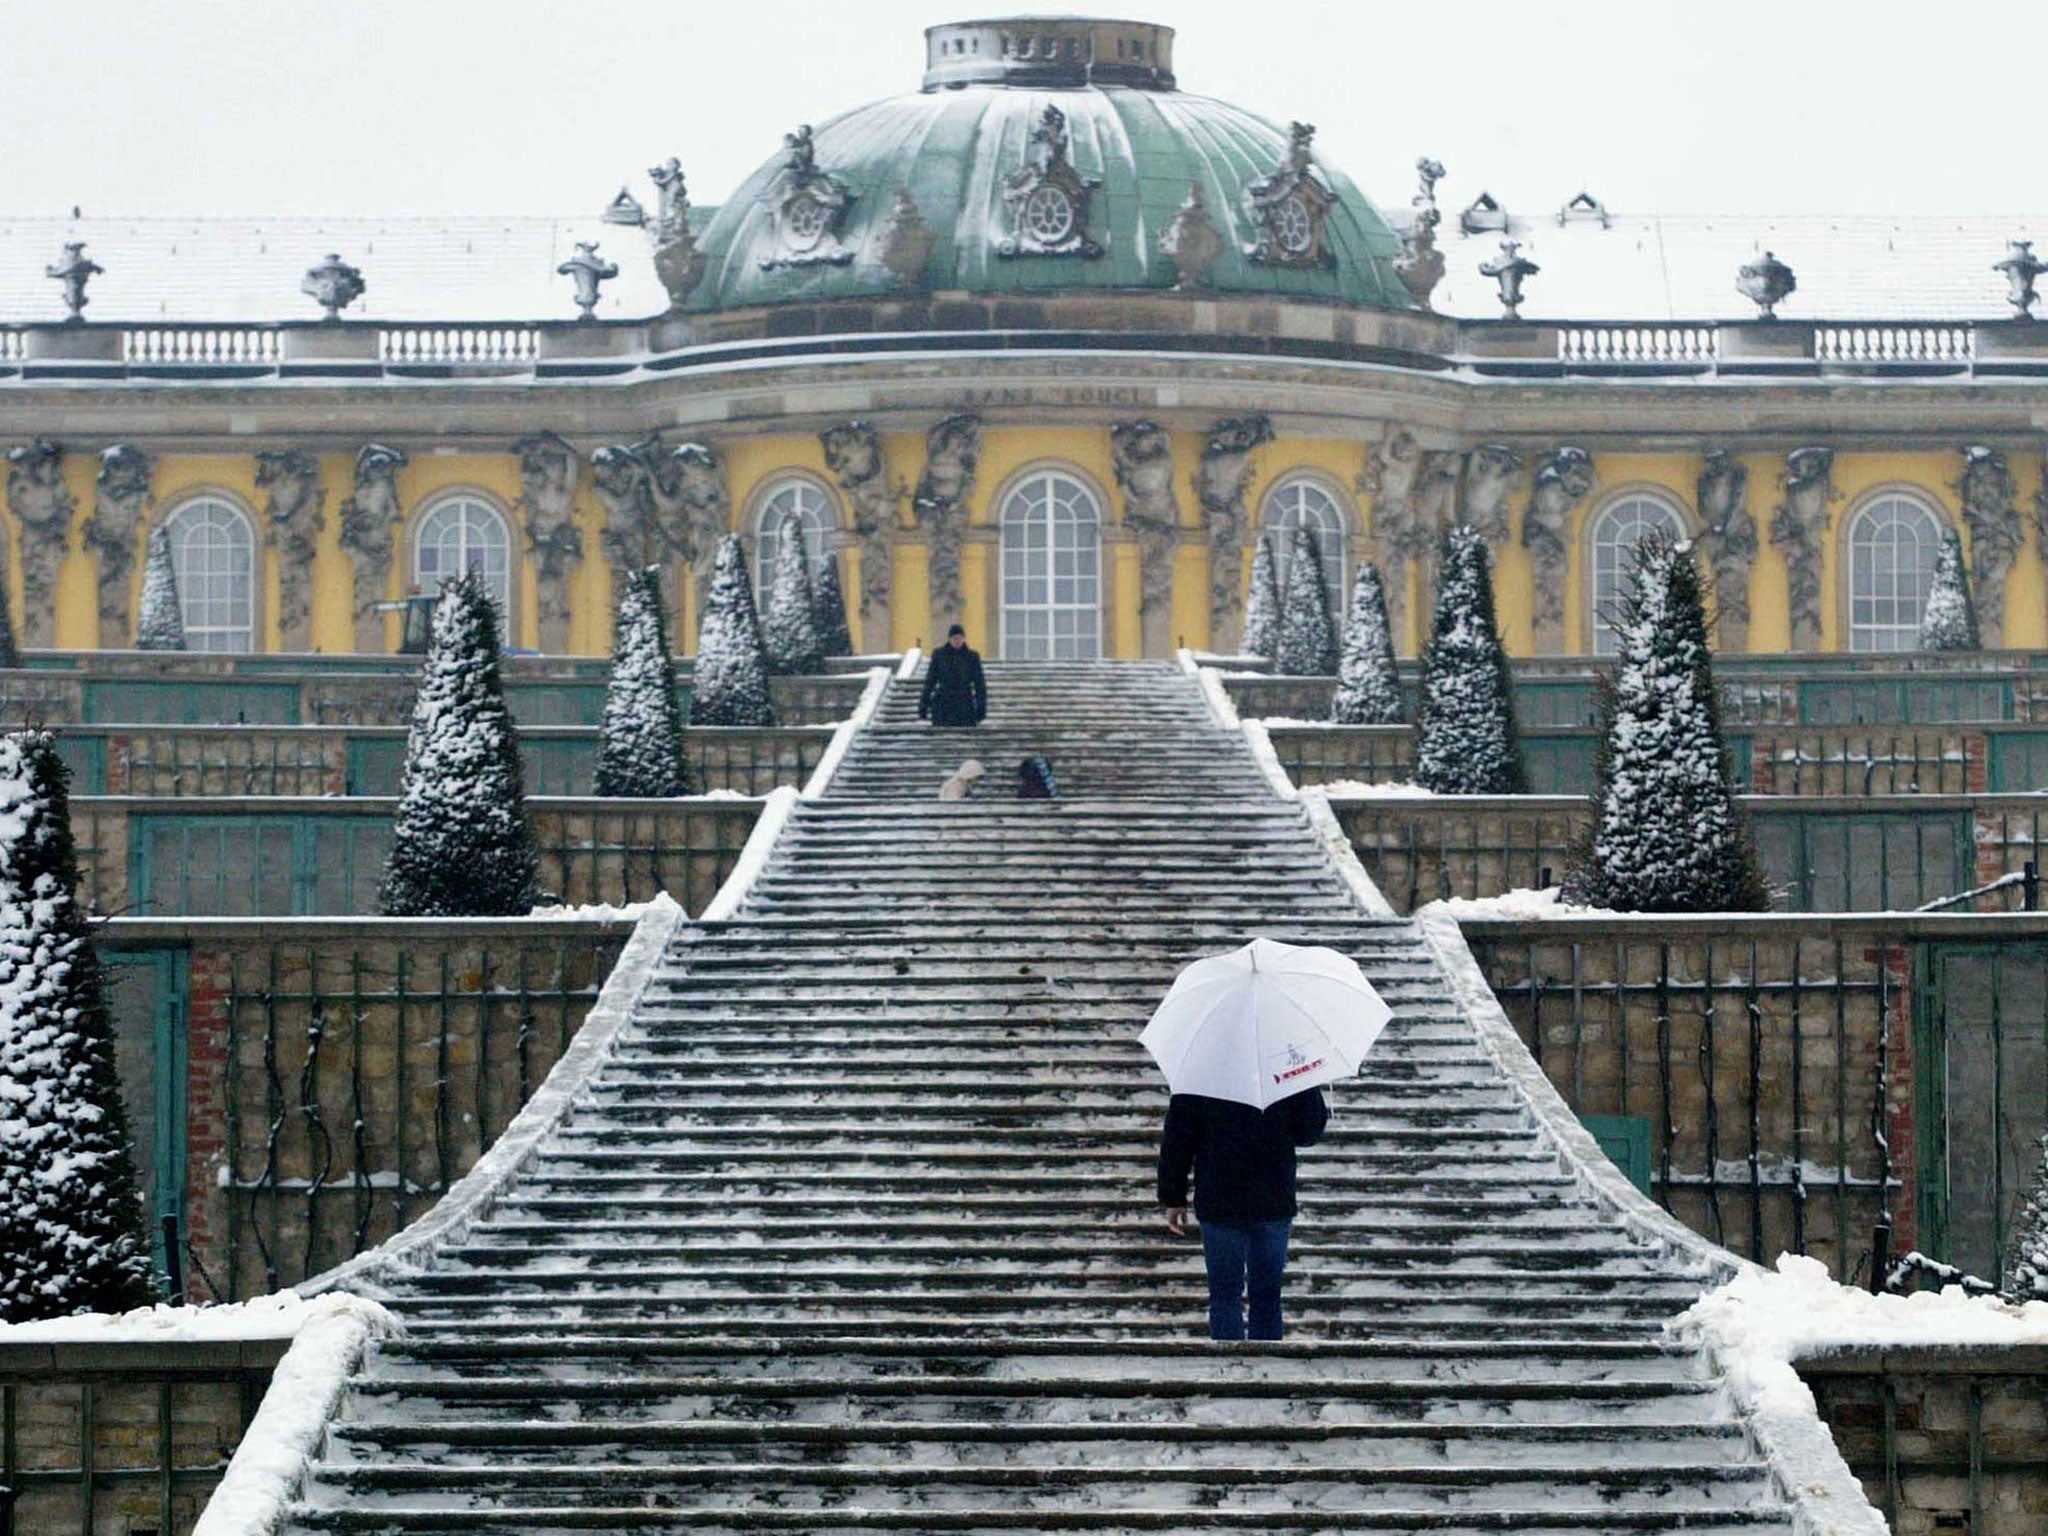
[{"x": 856, "y": 1230}]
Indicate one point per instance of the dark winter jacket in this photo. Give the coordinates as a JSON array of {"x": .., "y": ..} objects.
[
  {"x": 1242, "y": 1159},
  {"x": 954, "y": 690}
]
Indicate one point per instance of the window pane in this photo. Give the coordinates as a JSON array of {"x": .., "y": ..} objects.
[{"x": 1052, "y": 554}]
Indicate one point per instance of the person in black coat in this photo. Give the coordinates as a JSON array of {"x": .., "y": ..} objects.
[
  {"x": 1242, "y": 1162},
  {"x": 955, "y": 693}
]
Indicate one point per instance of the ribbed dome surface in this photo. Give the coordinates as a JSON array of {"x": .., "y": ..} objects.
[{"x": 957, "y": 150}]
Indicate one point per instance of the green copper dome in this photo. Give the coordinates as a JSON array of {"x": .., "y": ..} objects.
[{"x": 1046, "y": 156}]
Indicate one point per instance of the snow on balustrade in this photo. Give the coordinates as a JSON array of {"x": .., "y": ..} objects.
[
  {"x": 203, "y": 345},
  {"x": 1638, "y": 343},
  {"x": 458, "y": 344},
  {"x": 1895, "y": 343}
]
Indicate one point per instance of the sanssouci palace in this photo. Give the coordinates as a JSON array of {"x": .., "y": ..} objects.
[{"x": 1044, "y": 345}]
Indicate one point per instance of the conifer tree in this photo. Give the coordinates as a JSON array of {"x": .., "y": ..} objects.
[
  {"x": 72, "y": 1236},
  {"x": 1368, "y": 687},
  {"x": 1668, "y": 834},
  {"x": 791, "y": 631},
  {"x": 461, "y": 846},
  {"x": 1307, "y": 646},
  {"x": 1262, "y": 606},
  {"x": 640, "y": 753},
  {"x": 161, "y": 626},
  {"x": 835, "y": 634},
  {"x": 730, "y": 684},
  {"x": 1466, "y": 741},
  {"x": 2026, "y": 1256},
  {"x": 1950, "y": 621}
]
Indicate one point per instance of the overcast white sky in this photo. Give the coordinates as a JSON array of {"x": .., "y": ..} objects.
[{"x": 545, "y": 106}]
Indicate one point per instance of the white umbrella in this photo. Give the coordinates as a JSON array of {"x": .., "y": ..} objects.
[{"x": 1263, "y": 1022}]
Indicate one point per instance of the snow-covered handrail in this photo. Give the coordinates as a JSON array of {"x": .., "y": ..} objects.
[
  {"x": 472, "y": 1196},
  {"x": 906, "y": 669},
  {"x": 775, "y": 811},
  {"x": 269, "y": 1466},
  {"x": 842, "y": 738}
]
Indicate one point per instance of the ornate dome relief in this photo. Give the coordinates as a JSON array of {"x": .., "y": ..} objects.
[{"x": 1046, "y": 156}]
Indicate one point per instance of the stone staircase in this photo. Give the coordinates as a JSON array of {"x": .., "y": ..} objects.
[{"x": 855, "y": 1231}]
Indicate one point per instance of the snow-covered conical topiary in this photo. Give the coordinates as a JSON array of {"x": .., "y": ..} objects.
[
  {"x": 72, "y": 1236},
  {"x": 1307, "y": 646},
  {"x": 730, "y": 684},
  {"x": 1368, "y": 688},
  {"x": 791, "y": 630},
  {"x": 161, "y": 626},
  {"x": 1262, "y": 606},
  {"x": 2026, "y": 1251},
  {"x": 461, "y": 846},
  {"x": 1950, "y": 621},
  {"x": 1668, "y": 834},
  {"x": 641, "y": 750},
  {"x": 828, "y": 603},
  {"x": 1466, "y": 742}
]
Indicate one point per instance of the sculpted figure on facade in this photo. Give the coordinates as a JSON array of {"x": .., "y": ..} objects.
[
  {"x": 547, "y": 499},
  {"x": 1798, "y": 528},
  {"x": 369, "y": 531},
  {"x": 296, "y": 514},
  {"x": 1563, "y": 481},
  {"x": 1220, "y": 483},
  {"x": 904, "y": 242},
  {"x": 120, "y": 500},
  {"x": 632, "y": 538},
  {"x": 1491, "y": 471},
  {"x": 1393, "y": 466},
  {"x": 1731, "y": 539},
  {"x": 806, "y": 210},
  {"x": 1192, "y": 242},
  {"x": 677, "y": 260},
  {"x": 952, "y": 453},
  {"x": 42, "y": 506},
  {"x": 1289, "y": 208},
  {"x": 1142, "y": 455},
  {"x": 853, "y": 452},
  {"x": 1046, "y": 200},
  {"x": 689, "y": 489},
  {"x": 1992, "y": 516}
]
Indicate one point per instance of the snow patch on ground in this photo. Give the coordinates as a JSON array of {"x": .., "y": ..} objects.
[{"x": 1358, "y": 789}]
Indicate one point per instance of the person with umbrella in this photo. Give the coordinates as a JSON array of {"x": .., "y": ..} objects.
[{"x": 1246, "y": 1041}]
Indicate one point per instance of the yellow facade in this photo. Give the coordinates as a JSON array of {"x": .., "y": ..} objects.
[{"x": 753, "y": 463}]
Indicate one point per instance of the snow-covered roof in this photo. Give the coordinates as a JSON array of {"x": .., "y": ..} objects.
[
  {"x": 470, "y": 268},
  {"x": 452, "y": 269},
  {"x": 1682, "y": 266}
]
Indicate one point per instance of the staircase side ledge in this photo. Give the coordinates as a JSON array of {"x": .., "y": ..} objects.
[{"x": 842, "y": 738}]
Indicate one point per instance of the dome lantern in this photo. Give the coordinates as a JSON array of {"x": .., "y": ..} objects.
[{"x": 1048, "y": 51}]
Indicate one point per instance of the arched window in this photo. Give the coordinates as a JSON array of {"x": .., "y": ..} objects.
[
  {"x": 1303, "y": 502},
  {"x": 1893, "y": 542},
  {"x": 1620, "y": 527},
  {"x": 213, "y": 551},
  {"x": 793, "y": 505},
  {"x": 1052, "y": 569},
  {"x": 465, "y": 533}
]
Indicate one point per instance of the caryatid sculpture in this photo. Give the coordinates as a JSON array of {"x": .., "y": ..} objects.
[
  {"x": 952, "y": 453},
  {"x": 1491, "y": 471},
  {"x": 1993, "y": 518},
  {"x": 369, "y": 531},
  {"x": 853, "y": 452},
  {"x": 1562, "y": 481},
  {"x": 1142, "y": 455},
  {"x": 1729, "y": 531},
  {"x": 547, "y": 499},
  {"x": 633, "y": 538},
  {"x": 42, "y": 506},
  {"x": 1220, "y": 483},
  {"x": 1798, "y": 529},
  {"x": 689, "y": 490},
  {"x": 1392, "y": 467},
  {"x": 120, "y": 501},
  {"x": 296, "y": 515}
]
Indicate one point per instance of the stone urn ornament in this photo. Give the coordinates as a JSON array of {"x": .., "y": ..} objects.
[
  {"x": 1511, "y": 269},
  {"x": 1766, "y": 282},
  {"x": 2020, "y": 269},
  {"x": 74, "y": 272},
  {"x": 333, "y": 285},
  {"x": 1192, "y": 242},
  {"x": 589, "y": 271}
]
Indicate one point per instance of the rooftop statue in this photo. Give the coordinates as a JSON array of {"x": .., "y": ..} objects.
[
  {"x": 589, "y": 271},
  {"x": 1047, "y": 200},
  {"x": 1290, "y": 208},
  {"x": 333, "y": 285},
  {"x": 74, "y": 272},
  {"x": 1767, "y": 282},
  {"x": 806, "y": 208}
]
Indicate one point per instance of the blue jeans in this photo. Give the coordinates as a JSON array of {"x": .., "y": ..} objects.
[{"x": 1245, "y": 1256}]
